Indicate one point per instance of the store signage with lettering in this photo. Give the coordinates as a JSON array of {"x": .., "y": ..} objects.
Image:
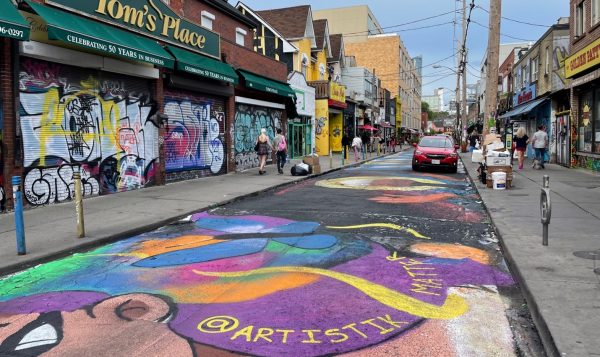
[
  {"x": 149, "y": 17},
  {"x": 524, "y": 95},
  {"x": 583, "y": 59},
  {"x": 337, "y": 92}
]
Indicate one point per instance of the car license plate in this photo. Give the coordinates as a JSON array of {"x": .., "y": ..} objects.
[{"x": 435, "y": 162}]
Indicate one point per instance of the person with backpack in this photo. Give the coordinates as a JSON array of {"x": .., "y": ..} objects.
[{"x": 280, "y": 144}]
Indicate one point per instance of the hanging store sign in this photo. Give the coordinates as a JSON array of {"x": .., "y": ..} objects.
[
  {"x": 149, "y": 17},
  {"x": 583, "y": 59}
]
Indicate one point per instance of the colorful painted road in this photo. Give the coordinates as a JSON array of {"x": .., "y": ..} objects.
[{"x": 373, "y": 260}]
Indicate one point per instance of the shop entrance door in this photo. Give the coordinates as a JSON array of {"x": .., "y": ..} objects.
[
  {"x": 562, "y": 141},
  {"x": 296, "y": 138}
]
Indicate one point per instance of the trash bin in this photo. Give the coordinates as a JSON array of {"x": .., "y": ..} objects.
[{"x": 499, "y": 180}]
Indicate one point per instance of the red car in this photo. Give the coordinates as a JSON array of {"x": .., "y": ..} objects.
[{"x": 435, "y": 151}]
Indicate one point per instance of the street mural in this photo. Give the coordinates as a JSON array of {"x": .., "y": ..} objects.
[
  {"x": 322, "y": 128},
  {"x": 195, "y": 135},
  {"x": 252, "y": 284},
  {"x": 71, "y": 118},
  {"x": 2, "y": 195},
  {"x": 560, "y": 48},
  {"x": 249, "y": 120},
  {"x": 435, "y": 195}
]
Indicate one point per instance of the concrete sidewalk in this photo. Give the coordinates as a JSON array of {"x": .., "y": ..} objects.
[
  {"x": 51, "y": 231},
  {"x": 558, "y": 280}
]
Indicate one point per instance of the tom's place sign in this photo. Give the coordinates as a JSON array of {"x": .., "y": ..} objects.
[{"x": 150, "y": 17}]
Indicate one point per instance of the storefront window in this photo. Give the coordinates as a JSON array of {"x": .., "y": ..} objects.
[{"x": 585, "y": 122}]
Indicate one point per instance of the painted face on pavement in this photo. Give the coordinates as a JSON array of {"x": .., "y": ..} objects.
[{"x": 122, "y": 324}]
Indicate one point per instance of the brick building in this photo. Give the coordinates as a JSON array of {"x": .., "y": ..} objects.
[
  {"x": 384, "y": 54},
  {"x": 583, "y": 68},
  {"x": 132, "y": 98}
]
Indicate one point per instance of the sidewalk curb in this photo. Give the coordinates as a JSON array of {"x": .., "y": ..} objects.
[
  {"x": 540, "y": 324},
  {"x": 85, "y": 246}
]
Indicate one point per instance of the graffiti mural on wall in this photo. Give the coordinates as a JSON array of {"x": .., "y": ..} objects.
[
  {"x": 71, "y": 117},
  {"x": 249, "y": 119},
  {"x": 213, "y": 282},
  {"x": 195, "y": 138},
  {"x": 561, "y": 52},
  {"x": 588, "y": 162},
  {"x": 2, "y": 195}
]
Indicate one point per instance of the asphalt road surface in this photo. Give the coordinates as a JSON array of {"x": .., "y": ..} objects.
[{"x": 368, "y": 261}]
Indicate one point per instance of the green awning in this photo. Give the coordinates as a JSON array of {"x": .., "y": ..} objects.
[
  {"x": 203, "y": 66},
  {"x": 12, "y": 24},
  {"x": 257, "y": 82},
  {"x": 93, "y": 35}
]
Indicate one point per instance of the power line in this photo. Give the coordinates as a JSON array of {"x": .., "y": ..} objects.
[
  {"x": 502, "y": 34},
  {"x": 400, "y": 25},
  {"x": 514, "y": 20}
]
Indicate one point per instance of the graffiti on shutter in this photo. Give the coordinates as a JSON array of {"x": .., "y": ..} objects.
[
  {"x": 195, "y": 136},
  {"x": 249, "y": 119},
  {"x": 73, "y": 117}
]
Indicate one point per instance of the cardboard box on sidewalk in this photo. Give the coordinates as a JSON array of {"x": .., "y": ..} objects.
[
  {"x": 497, "y": 161},
  {"x": 316, "y": 169},
  {"x": 311, "y": 160}
]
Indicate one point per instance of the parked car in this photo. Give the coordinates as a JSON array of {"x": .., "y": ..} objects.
[{"x": 435, "y": 151}]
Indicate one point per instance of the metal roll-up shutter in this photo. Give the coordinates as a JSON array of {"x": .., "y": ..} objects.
[
  {"x": 249, "y": 120},
  {"x": 71, "y": 118},
  {"x": 195, "y": 135}
]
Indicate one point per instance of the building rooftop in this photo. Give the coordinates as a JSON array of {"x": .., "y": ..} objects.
[{"x": 289, "y": 21}]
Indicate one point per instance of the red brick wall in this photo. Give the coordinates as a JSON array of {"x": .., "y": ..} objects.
[
  {"x": 8, "y": 108},
  {"x": 223, "y": 23},
  {"x": 241, "y": 57}
]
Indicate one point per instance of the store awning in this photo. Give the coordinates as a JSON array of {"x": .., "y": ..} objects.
[
  {"x": 12, "y": 24},
  {"x": 257, "y": 82},
  {"x": 523, "y": 108},
  {"x": 93, "y": 35},
  {"x": 203, "y": 66}
]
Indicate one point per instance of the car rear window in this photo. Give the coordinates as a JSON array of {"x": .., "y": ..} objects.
[{"x": 436, "y": 143}]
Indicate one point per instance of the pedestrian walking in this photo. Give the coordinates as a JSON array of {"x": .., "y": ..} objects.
[
  {"x": 521, "y": 141},
  {"x": 357, "y": 145},
  {"x": 365, "y": 140},
  {"x": 280, "y": 144},
  {"x": 473, "y": 140},
  {"x": 345, "y": 144},
  {"x": 262, "y": 147},
  {"x": 540, "y": 143}
]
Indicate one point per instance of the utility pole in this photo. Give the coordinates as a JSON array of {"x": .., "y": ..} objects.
[
  {"x": 464, "y": 74},
  {"x": 457, "y": 130},
  {"x": 491, "y": 85}
]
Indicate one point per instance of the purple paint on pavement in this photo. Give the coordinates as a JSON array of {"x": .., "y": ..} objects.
[
  {"x": 54, "y": 301},
  {"x": 317, "y": 307}
]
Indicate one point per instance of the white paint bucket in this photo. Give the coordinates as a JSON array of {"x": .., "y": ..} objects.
[{"x": 499, "y": 180}]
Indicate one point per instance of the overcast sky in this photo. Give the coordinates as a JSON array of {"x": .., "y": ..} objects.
[{"x": 436, "y": 43}]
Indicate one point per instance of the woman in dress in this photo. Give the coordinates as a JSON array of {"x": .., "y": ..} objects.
[
  {"x": 521, "y": 141},
  {"x": 263, "y": 146}
]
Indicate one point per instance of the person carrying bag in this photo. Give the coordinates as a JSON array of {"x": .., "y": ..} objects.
[{"x": 281, "y": 145}]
